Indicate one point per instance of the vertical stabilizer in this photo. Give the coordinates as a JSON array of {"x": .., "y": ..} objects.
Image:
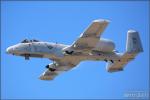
[{"x": 133, "y": 43}]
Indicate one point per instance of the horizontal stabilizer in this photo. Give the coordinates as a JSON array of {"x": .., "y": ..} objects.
[{"x": 118, "y": 65}]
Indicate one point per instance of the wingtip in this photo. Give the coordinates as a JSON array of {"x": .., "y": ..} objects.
[
  {"x": 102, "y": 20},
  {"x": 132, "y": 31}
]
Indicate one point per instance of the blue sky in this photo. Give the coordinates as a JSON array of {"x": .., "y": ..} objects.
[{"x": 63, "y": 22}]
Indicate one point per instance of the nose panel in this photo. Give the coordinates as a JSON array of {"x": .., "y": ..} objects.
[
  {"x": 9, "y": 50},
  {"x": 18, "y": 49}
]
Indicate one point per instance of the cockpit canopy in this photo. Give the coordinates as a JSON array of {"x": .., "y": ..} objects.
[{"x": 29, "y": 41}]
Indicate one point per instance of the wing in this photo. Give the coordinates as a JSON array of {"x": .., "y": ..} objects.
[
  {"x": 51, "y": 74},
  {"x": 48, "y": 75},
  {"x": 119, "y": 65},
  {"x": 90, "y": 37}
]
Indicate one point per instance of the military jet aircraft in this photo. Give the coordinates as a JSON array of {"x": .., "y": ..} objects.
[{"x": 89, "y": 46}]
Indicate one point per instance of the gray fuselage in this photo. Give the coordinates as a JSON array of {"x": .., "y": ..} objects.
[{"x": 55, "y": 52}]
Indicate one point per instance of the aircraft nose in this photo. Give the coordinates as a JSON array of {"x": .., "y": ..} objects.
[{"x": 9, "y": 50}]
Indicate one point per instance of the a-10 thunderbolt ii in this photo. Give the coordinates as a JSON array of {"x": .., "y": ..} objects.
[{"x": 89, "y": 46}]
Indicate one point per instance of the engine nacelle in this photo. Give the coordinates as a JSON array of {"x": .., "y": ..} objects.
[{"x": 105, "y": 45}]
